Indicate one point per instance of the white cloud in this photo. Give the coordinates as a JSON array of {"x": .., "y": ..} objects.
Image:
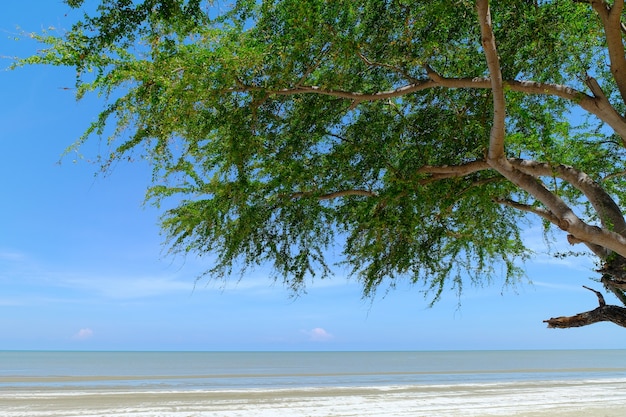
[
  {"x": 318, "y": 335},
  {"x": 83, "y": 334}
]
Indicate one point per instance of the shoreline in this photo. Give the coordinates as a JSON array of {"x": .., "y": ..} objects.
[{"x": 606, "y": 398}]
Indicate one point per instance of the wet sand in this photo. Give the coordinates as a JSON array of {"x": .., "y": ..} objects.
[{"x": 599, "y": 398}]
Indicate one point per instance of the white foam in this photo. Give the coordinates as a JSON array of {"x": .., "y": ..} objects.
[{"x": 560, "y": 398}]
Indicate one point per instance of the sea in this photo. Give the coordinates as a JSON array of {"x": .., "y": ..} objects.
[
  {"x": 269, "y": 370},
  {"x": 182, "y": 384}
]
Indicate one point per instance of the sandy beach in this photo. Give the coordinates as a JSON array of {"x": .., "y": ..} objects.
[{"x": 600, "y": 398}]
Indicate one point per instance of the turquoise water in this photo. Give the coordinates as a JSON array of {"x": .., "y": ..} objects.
[{"x": 271, "y": 370}]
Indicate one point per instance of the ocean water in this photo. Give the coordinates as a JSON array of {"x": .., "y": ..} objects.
[
  {"x": 313, "y": 384},
  {"x": 220, "y": 371}
]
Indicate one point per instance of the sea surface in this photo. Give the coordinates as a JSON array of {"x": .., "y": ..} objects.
[{"x": 228, "y": 371}]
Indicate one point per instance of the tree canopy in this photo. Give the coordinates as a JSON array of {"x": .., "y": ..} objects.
[{"x": 416, "y": 137}]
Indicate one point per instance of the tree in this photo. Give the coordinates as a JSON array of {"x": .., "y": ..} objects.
[{"x": 421, "y": 136}]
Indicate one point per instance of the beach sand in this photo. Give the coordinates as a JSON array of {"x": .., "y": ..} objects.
[{"x": 600, "y": 398}]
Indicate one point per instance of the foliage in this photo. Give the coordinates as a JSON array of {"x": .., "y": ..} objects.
[{"x": 284, "y": 127}]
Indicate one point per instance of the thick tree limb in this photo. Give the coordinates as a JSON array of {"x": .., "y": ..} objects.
[
  {"x": 595, "y": 88},
  {"x": 525, "y": 174},
  {"x": 604, "y": 107},
  {"x": 611, "y": 20},
  {"x": 614, "y": 283},
  {"x": 588, "y": 102},
  {"x": 600, "y": 251},
  {"x": 609, "y": 212},
  {"x": 613, "y": 314},
  {"x": 597, "y": 105},
  {"x": 496, "y": 138},
  {"x": 453, "y": 171},
  {"x": 568, "y": 220},
  {"x": 614, "y": 286}
]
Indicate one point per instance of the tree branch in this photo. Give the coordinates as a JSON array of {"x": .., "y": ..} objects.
[
  {"x": 611, "y": 20},
  {"x": 524, "y": 173},
  {"x": 615, "y": 286},
  {"x": 598, "y": 294},
  {"x": 597, "y": 105},
  {"x": 593, "y": 236},
  {"x": 600, "y": 251},
  {"x": 541, "y": 212},
  {"x": 595, "y": 88},
  {"x": 450, "y": 171},
  {"x": 568, "y": 220},
  {"x": 612, "y": 282},
  {"x": 330, "y": 196},
  {"x": 496, "y": 138},
  {"x": 610, "y": 214},
  {"x": 370, "y": 63},
  {"x": 435, "y": 80},
  {"x": 351, "y": 95},
  {"x": 613, "y": 314}
]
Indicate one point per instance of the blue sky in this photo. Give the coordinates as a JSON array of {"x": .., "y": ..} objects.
[{"x": 82, "y": 265}]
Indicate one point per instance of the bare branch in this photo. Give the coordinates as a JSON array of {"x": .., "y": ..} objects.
[
  {"x": 598, "y": 294},
  {"x": 604, "y": 312},
  {"x": 613, "y": 314}
]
